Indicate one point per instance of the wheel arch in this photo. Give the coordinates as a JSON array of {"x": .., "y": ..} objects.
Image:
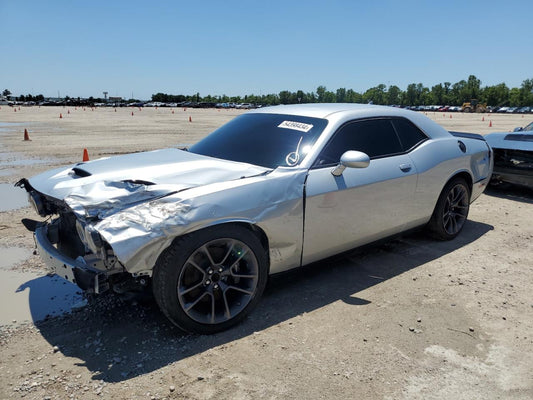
[
  {"x": 447, "y": 210},
  {"x": 256, "y": 230},
  {"x": 249, "y": 225},
  {"x": 464, "y": 175}
]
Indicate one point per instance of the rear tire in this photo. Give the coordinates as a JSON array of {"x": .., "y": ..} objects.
[
  {"x": 209, "y": 280},
  {"x": 451, "y": 210}
]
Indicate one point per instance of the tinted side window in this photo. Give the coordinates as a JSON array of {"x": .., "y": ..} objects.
[
  {"x": 409, "y": 134},
  {"x": 376, "y": 138}
]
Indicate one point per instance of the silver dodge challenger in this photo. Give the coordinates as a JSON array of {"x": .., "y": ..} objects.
[{"x": 274, "y": 189}]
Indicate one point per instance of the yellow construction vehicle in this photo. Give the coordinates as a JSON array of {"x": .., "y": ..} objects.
[{"x": 474, "y": 106}]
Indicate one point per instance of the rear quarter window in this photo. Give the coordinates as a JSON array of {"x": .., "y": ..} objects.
[{"x": 410, "y": 136}]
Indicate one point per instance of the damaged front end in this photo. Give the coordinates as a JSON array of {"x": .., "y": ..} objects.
[
  {"x": 514, "y": 166},
  {"x": 72, "y": 249},
  {"x": 108, "y": 220},
  {"x": 513, "y": 158}
]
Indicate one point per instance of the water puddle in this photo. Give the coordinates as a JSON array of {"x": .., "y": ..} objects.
[
  {"x": 32, "y": 296},
  {"x": 11, "y": 256},
  {"x": 7, "y": 125},
  {"x": 11, "y": 197},
  {"x": 14, "y": 160}
]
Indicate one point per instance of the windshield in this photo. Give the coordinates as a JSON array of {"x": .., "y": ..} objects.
[
  {"x": 528, "y": 127},
  {"x": 268, "y": 140}
]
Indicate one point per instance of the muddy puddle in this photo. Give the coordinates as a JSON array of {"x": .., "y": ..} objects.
[
  {"x": 17, "y": 160},
  {"x": 11, "y": 197},
  {"x": 9, "y": 161},
  {"x": 32, "y": 296},
  {"x": 11, "y": 256},
  {"x": 6, "y": 125}
]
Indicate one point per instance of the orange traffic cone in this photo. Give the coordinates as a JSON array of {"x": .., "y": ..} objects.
[
  {"x": 85, "y": 155},
  {"x": 132, "y": 113},
  {"x": 172, "y": 111},
  {"x": 451, "y": 116},
  {"x": 15, "y": 109},
  {"x": 190, "y": 118},
  {"x": 60, "y": 115},
  {"x": 482, "y": 119},
  {"x": 68, "y": 111},
  {"x": 490, "y": 124},
  {"x": 26, "y": 136}
]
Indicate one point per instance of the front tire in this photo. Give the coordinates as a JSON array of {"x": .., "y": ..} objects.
[
  {"x": 451, "y": 210},
  {"x": 209, "y": 280}
]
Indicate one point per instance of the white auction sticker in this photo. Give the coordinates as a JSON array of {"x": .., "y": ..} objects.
[{"x": 297, "y": 126}]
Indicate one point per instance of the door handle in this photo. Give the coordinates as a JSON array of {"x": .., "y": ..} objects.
[{"x": 405, "y": 167}]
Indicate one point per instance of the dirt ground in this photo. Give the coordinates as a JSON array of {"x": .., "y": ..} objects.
[{"x": 409, "y": 319}]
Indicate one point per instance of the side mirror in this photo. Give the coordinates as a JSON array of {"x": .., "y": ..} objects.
[
  {"x": 351, "y": 159},
  {"x": 518, "y": 129}
]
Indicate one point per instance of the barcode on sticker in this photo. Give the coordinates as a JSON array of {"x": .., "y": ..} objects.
[{"x": 297, "y": 126}]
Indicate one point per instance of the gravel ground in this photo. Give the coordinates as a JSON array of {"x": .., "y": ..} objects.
[{"x": 408, "y": 319}]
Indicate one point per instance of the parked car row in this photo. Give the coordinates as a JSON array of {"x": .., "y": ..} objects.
[
  {"x": 490, "y": 109},
  {"x": 203, "y": 104},
  {"x": 247, "y": 106},
  {"x": 241, "y": 106},
  {"x": 189, "y": 104},
  {"x": 514, "y": 110}
]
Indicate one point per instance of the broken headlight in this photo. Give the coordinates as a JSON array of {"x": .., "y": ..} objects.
[
  {"x": 90, "y": 237},
  {"x": 37, "y": 203}
]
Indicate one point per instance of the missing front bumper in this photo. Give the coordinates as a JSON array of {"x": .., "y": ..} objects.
[{"x": 73, "y": 270}]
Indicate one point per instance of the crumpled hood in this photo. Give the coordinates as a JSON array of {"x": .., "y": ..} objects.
[{"x": 116, "y": 178}]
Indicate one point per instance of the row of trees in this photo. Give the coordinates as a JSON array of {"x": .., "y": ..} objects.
[
  {"x": 416, "y": 94},
  {"x": 29, "y": 97}
]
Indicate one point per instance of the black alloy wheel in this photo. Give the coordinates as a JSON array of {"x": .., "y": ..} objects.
[
  {"x": 209, "y": 280},
  {"x": 451, "y": 210}
]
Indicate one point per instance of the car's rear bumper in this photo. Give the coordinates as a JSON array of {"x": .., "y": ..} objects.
[{"x": 76, "y": 271}]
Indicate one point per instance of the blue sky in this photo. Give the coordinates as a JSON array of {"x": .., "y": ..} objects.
[{"x": 82, "y": 48}]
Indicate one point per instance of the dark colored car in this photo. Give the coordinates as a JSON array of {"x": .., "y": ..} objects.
[{"x": 513, "y": 156}]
